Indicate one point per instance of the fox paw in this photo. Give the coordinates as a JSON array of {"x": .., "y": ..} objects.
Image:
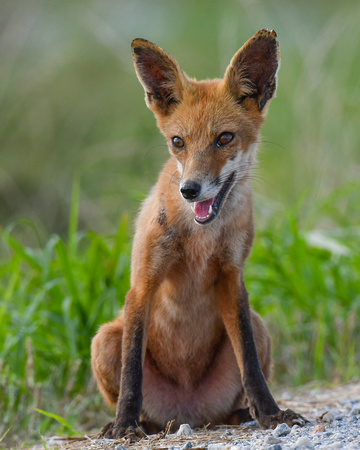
[
  {"x": 288, "y": 416},
  {"x": 113, "y": 431}
]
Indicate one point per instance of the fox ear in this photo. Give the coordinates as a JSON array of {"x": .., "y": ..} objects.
[
  {"x": 160, "y": 75},
  {"x": 251, "y": 75}
]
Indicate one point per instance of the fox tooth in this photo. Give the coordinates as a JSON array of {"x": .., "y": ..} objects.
[{"x": 210, "y": 210}]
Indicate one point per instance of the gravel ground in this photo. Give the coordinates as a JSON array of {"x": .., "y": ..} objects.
[{"x": 334, "y": 415}]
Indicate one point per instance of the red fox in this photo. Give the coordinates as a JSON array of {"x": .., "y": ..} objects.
[{"x": 187, "y": 347}]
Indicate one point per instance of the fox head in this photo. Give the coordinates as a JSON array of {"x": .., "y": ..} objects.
[{"x": 211, "y": 126}]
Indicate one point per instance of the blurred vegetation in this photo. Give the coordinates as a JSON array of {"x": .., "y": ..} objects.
[
  {"x": 70, "y": 102},
  {"x": 79, "y": 151}
]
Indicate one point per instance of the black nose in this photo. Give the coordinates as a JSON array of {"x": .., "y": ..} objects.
[{"x": 190, "y": 190}]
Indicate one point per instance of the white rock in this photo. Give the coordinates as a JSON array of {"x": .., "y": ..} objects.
[
  {"x": 281, "y": 430},
  {"x": 328, "y": 417},
  {"x": 286, "y": 395},
  {"x": 216, "y": 447},
  {"x": 270, "y": 440},
  {"x": 187, "y": 445},
  {"x": 295, "y": 429},
  {"x": 184, "y": 430},
  {"x": 303, "y": 442}
]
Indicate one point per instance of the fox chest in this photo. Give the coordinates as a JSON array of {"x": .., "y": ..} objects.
[{"x": 184, "y": 332}]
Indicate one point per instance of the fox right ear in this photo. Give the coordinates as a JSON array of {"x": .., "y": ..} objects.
[
  {"x": 251, "y": 75},
  {"x": 160, "y": 75}
]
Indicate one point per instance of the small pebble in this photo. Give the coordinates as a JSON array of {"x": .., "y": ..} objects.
[
  {"x": 184, "y": 430},
  {"x": 328, "y": 433},
  {"x": 315, "y": 391},
  {"x": 345, "y": 401},
  {"x": 355, "y": 410},
  {"x": 281, "y": 430},
  {"x": 227, "y": 433},
  {"x": 274, "y": 447},
  {"x": 216, "y": 447},
  {"x": 286, "y": 395},
  {"x": 251, "y": 423},
  {"x": 272, "y": 440},
  {"x": 319, "y": 429},
  {"x": 187, "y": 445},
  {"x": 328, "y": 417},
  {"x": 295, "y": 429},
  {"x": 303, "y": 442}
]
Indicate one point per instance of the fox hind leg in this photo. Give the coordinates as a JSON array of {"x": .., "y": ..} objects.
[
  {"x": 106, "y": 359},
  {"x": 106, "y": 366}
]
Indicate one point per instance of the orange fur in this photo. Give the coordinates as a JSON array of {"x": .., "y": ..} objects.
[{"x": 184, "y": 346}]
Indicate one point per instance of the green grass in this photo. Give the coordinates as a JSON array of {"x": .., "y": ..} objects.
[
  {"x": 53, "y": 299},
  {"x": 54, "y": 296},
  {"x": 305, "y": 282}
]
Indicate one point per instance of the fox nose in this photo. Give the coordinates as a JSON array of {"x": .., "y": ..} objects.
[{"x": 190, "y": 190}]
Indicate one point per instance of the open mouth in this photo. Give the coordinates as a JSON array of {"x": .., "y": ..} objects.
[{"x": 206, "y": 211}]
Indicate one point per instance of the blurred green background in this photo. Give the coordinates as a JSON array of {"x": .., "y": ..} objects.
[
  {"x": 79, "y": 150},
  {"x": 71, "y": 105}
]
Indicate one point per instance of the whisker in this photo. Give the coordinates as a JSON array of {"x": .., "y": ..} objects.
[
  {"x": 259, "y": 180},
  {"x": 173, "y": 177},
  {"x": 276, "y": 144},
  {"x": 239, "y": 174}
]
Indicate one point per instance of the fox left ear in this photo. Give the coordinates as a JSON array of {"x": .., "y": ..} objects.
[
  {"x": 160, "y": 75},
  {"x": 251, "y": 75}
]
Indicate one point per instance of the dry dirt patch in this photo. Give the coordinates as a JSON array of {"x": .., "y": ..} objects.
[{"x": 309, "y": 401}]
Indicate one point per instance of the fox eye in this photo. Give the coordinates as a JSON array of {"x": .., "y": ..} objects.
[
  {"x": 224, "y": 138},
  {"x": 177, "y": 142}
]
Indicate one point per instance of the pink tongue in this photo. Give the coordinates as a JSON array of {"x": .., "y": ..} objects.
[{"x": 202, "y": 208}]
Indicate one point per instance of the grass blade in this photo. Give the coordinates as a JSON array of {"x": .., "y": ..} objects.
[
  {"x": 59, "y": 419},
  {"x": 67, "y": 268},
  {"x": 74, "y": 215},
  {"x": 43, "y": 441}
]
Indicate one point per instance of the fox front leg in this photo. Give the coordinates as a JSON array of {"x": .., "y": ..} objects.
[
  {"x": 136, "y": 324},
  {"x": 235, "y": 309}
]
